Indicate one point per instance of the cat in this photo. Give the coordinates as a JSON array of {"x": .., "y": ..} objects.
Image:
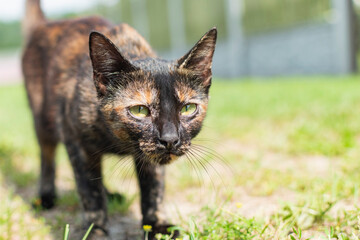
[{"x": 100, "y": 88}]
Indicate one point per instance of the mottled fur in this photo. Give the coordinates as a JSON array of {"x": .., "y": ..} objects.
[{"x": 81, "y": 96}]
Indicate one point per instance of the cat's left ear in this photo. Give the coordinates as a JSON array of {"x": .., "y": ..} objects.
[{"x": 199, "y": 59}]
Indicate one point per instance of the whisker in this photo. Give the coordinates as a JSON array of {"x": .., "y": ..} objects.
[
  {"x": 145, "y": 161},
  {"x": 105, "y": 149},
  {"x": 118, "y": 166},
  {"x": 221, "y": 177},
  {"x": 194, "y": 167},
  {"x": 213, "y": 154},
  {"x": 129, "y": 170},
  {"x": 136, "y": 161},
  {"x": 212, "y": 151},
  {"x": 204, "y": 151},
  {"x": 198, "y": 157},
  {"x": 207, "y": 140},
  {"x": 124, "y": 147}
]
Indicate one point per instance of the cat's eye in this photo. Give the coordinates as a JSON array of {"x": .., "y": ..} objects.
[
  {"x": 139, "y": 111},
  {"x": 188, "y": 109}
]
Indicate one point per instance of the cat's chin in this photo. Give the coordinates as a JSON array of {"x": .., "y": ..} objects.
[
  {"x": 164, "y": 159},
  {"x": 169, "y": 158}
]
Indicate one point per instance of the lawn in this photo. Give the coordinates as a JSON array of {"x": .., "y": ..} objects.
[{"x": 276, "y": 159}]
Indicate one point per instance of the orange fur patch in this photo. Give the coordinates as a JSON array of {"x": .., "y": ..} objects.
[{"x": 184, "y": 93}]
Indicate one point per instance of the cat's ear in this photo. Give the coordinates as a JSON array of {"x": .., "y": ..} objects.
[
  {"x": 199, "y": 59},
  {"x": 106, "y": 60}
]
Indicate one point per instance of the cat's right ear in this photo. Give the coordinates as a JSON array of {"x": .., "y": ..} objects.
[{"x": 106, "y": 60}]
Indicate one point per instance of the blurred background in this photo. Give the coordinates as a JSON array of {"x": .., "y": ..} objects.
[
  {"x": 280, "y": 146},
  {"x": 256, "y": 37}
]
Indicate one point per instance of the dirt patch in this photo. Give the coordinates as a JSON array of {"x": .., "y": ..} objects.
[
  {"x": 181, "y": 203},
  {"x": 312, "y": 164}
]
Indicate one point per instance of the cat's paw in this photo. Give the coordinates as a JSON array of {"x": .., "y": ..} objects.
[
  {"x": 44, "y": 202},
  {"x": 162, "y": 229}
]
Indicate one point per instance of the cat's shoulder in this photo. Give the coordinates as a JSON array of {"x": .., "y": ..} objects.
[{"x": 130, "y": 42}]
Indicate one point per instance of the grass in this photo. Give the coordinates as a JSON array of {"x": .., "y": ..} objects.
[
  {"x": 292, "y": 150},
  {"x": 223, "y": 224},
  {"x": 67, "y": 232}
]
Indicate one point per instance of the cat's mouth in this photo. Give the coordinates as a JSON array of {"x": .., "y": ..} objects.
[
  {"x": 164, "y": 158},
  {"x": 161, "y": 155},
  {"x": 168, "y": 158}
]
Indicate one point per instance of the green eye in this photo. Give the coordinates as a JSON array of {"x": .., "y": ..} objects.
[
  {"x": 188, "y": 109},
  {"x": 139, "y": 111}
]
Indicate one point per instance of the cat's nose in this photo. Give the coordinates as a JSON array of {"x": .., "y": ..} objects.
[
  {"x": 169, "y": 140},
  {"x": 169, "y": 137}
]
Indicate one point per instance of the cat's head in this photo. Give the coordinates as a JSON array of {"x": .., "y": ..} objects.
[{"x": 155, "y": 106}]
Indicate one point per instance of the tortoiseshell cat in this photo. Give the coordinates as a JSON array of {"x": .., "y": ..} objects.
[{"x": 115, "y": 97}]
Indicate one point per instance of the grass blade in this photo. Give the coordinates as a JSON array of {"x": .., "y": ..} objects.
[
  {"x": 66, "y": 232},
  {"x": 88, "y": 232}
]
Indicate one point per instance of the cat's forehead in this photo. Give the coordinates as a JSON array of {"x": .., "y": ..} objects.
[
  {"x": 164, "y": 82},
  {"x": 155, "y": 65},
  {"x": 165, "y": 73}
]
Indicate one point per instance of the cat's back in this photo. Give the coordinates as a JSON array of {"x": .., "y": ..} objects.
[
  {"x": 49, "y": 50},
  {"x": 61, "y": 47},
  {"x": 48, "y": 39},
  {"x": 56, "y": 59},
  {"x": 71, "y": 53},
  {"x": 130, "y": 43}
]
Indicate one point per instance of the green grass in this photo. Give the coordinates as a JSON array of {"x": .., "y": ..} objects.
[
  {"x": 222, "y": 224},
  {"x": 122, "y": 205},
  {"x": 293, "y": 142},
  {"x": 302, "y": 113}
]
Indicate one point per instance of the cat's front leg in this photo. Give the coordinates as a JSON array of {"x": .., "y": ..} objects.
[
  {"x": 87, "y": 170},
  {"x": 152, "y": 183}
]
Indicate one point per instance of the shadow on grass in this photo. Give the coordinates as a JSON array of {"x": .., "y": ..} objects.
[{"x": 20, "y": 182}]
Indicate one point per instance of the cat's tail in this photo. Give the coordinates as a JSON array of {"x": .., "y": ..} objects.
[{"x": 33, "y": 17}]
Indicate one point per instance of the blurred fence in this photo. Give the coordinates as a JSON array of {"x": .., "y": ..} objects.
[
  {"x": 155, "y": 19},
  {"x": 265, "y": 15},
  {"x": 256, "y": 37}
]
